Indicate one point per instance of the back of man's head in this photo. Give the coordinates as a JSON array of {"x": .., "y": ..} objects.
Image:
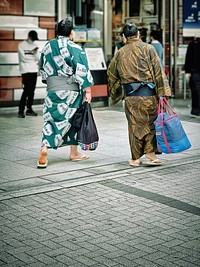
[
  {"x": 33, "y": 35},
  {"x": 155, "y": 35},
  {"x": 130, "y": 29},
  {"x": 65, "y": 27}
]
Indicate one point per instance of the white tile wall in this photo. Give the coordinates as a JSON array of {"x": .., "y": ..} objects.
[
  {"x": 39, "y": 82},
  {"x": 9, "y": 70},
  {"x": 8, "y": 58},
  {"x": 13, "y": 70},
  {"x": 39, "y": 8},
  {"x": 22, "y": 33},
  {"x": 18, "y": 21},
  {"x": 40, "y": 93}
]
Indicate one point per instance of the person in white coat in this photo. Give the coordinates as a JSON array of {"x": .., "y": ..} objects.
[{"x": 28, "y": 66}]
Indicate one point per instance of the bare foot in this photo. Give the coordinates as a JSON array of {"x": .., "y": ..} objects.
[
  {"x": 75, "y": 155},
  {"x": 151, "y": 156},
  {"x": 43, "y": 155},
  {"x": 42, "y": 161},
  {"x": 134, "y": 163}
]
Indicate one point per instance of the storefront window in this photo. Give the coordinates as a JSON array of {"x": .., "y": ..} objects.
[
  {"x": 88, "y": 20},
  {"x": 39, "y": 8}
]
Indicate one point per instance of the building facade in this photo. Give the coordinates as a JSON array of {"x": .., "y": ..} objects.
[{"x": 97, "y": 25}]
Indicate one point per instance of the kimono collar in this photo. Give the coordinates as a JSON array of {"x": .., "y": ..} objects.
[
  {"x": 133, "y": 39},
  {"x": 62, "y": 37}
]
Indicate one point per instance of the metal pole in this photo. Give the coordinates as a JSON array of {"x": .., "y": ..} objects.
[
  {"x": 163, "y": 28},
  {"x": 107, "y": 29},
  {"x": 62, "y": 9},
  {"x": 171, "y": 43},
  {"x": 59, "y": 10},
  {"x": 175, "y": 47}
]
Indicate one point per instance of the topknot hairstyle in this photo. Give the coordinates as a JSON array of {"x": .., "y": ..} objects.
[
  {"x": 65, "y": 27},
  {"x": 130, "y": 29}
]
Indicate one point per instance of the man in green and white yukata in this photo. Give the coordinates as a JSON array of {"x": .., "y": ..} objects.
[{"x": 64, "y": 68}]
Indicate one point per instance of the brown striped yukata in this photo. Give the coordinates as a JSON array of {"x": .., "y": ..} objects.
[{"x": 138, "y": 62}]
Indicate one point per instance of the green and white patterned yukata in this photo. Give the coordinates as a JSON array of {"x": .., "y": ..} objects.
[{"x": 62, "y": 57}]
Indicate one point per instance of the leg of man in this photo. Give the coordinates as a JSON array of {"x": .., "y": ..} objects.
[
  {"x": 31, "y": 83},
  {"x": 24, "y": 96},
  {"x": 195, "y": 90}
]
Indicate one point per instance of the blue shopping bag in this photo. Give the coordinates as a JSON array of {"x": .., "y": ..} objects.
[{"x": 170, "y": 135}]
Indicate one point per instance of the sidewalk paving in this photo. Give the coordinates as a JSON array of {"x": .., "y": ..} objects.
[{"x": 98, "y": 212}]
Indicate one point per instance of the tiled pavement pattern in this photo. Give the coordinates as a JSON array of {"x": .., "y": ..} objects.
[
  {"x": 101, "y": 224},
  {"x": 99, "y": 212}
]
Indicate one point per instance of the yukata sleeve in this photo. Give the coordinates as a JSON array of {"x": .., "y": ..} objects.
[
  {"x": 114, "y": 83},
  {"x": 41, "y": 68},
  {"x": 82, "y": 71},
  {"x": 113, "y": 77},
  {"x": 159, "y": 77}
]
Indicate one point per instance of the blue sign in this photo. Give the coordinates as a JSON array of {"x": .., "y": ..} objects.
[{"x": 191, "y": 18}]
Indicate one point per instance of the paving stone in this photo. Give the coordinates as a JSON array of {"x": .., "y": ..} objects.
[
  {"x": 16, "y": 263},
  {"x": 164, "y": 263},
  {"x": 80, "y": 251},
  {"x": 6, "y": 257},
  {"x": 37, "y": 264},
  {"x": 62, "y": 258},
  {"x": 85, "y": 260},
  {"x": 105, "y": 261},
  {"x": 125, "y": 262},
  {"x": 136, "y": 254},
  {"x": 90, "y": 254},
  {"x": 45, "y": 259},
  {"x": 146, "y": 263},
  {"x": 25, "y": 258},
  {"x": 183, "y": 263}
]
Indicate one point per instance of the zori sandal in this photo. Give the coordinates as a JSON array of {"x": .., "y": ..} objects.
[
  {"x": 83, "y": 157},
  {"x": 132, "y": 164},
  {"x": 154, "y": 162},
  {"x": 42, "y": 161}
]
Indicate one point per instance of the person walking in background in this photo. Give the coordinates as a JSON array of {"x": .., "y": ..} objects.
[
  {"x": 143, "y": 83},
  {"x": 143, "y": 34},
  {"x": 154, "y": 35},
  {"x": 64, "y": 68},
  {"x": 28, "y": 65},
  {"x": 192, "y": 69},
  {"x": 120, "y": 44}
]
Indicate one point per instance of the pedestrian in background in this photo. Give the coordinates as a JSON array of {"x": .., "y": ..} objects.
[
  {"x": 154, "y": 35},
  {"x": 143, "y": 34},
  {"x": 137, "y": 67},
  {"x": 192, "y": 69},
  {"x": 121, "y": 43},
  {"x": 28, "y": 65},
  {"x": 64, "y": 68}
]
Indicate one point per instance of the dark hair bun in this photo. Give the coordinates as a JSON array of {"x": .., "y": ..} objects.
[
  {"x": 130, "y": 29},
  {"x": 65, "y": 27}
]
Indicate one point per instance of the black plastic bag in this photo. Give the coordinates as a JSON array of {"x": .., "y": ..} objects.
[
  {"x": 78, "y": 117},
  {"x": 88, "y": 135}
]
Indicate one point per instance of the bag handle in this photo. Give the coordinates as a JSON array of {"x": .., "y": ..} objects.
[{"x": 164, "y": 106}]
